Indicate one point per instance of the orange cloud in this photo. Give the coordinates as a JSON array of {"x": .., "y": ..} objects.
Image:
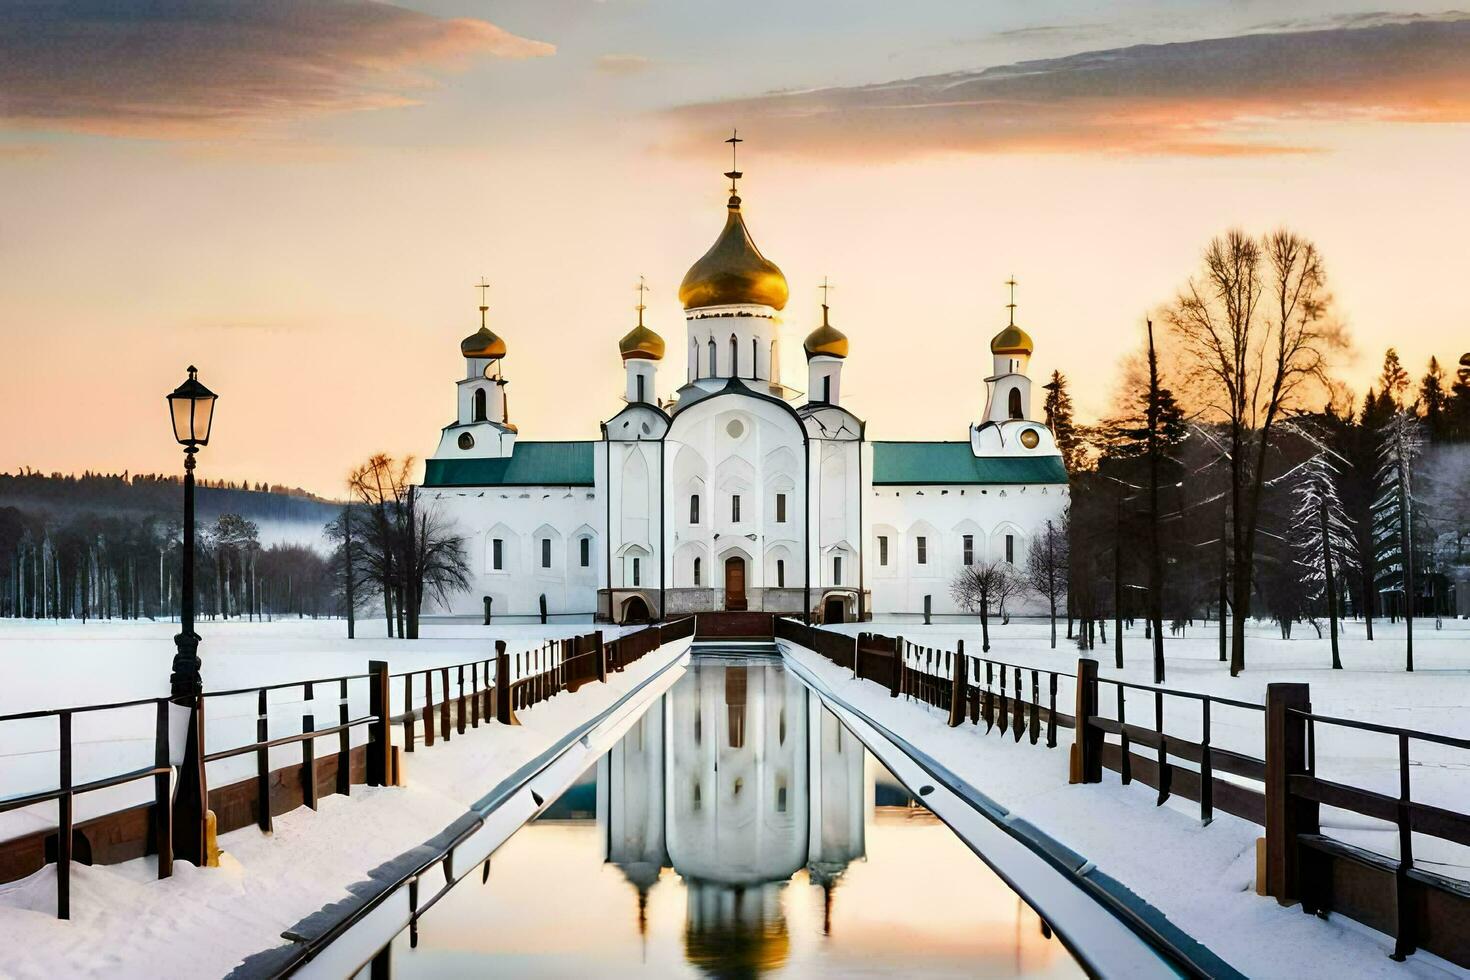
[
  {"x": 202, "y": 68},
  {"x": 1222, "y": 96}
]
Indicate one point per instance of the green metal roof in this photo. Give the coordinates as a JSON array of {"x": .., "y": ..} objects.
[
  {"x": 936, "y": 463},
  {"x": 530, "y": 464}
]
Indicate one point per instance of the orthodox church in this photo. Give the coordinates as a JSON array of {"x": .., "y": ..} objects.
[{"x": 735, "y": 490}]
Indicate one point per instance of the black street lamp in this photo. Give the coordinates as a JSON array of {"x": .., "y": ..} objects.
[{"x": 191, "y": 406}]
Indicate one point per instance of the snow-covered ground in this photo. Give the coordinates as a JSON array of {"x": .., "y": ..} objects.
[
  {"x": 1373, "y": 686},
  {"x": 67, "y": 664},
  {"x": 201, "y": 922},
  {"x": 1202, "y": 878}
]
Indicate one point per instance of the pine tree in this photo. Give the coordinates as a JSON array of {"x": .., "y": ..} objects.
[
  {"x": 1068, "y": 437},
  {"x": 1393, "y": 515},
  {"x": 1459, "y": 402},
  {"x": 1322, "y": 536},
  {"x": 1394, "y": 380},
  {"x": 1433, "y": 401}
]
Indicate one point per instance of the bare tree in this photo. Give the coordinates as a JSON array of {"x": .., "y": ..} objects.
[
  {"x": 980, "y": 588},
  {"x": 403, "y": 549},
  {"x": 1047, "y": 568},
  {"x": 1256, "y": 332}
]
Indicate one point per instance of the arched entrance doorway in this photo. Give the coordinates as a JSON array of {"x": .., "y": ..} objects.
[
  {"x": 834, "y": 610},
  {"x": 735, "y": 583},
  {"x": 635, "y": 610}
]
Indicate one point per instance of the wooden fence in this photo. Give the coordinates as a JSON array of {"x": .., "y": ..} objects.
[
  {"x": 1281, "y": 792},
  {"x": 444, "y": 700}
]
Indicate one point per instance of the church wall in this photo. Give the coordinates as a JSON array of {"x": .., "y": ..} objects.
[
  {"x": 721, "y": 448},
  {"x": 942, "y": 515},
  {"x": 522, "y": 517},
  {"x": 836, "y": 502}
]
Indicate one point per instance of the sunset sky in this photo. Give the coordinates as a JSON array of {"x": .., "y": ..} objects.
[{"x": 298, "y": 196}]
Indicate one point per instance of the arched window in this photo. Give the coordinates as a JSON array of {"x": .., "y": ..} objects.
[
  {"x": 696, "y": 571},
  {"x": 1015, "y": 405},
  {"x": 712, "y": 372},
  {"x": 734, "y": 357},
  {"x": 755, "y": 357},
  {"x": 480, "y": 405},
  {"x": 693, "y": 358}
]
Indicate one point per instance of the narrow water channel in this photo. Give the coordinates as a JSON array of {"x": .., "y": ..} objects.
[{"x": 737, "y": 830}]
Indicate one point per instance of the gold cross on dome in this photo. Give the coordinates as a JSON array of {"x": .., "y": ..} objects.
[
  {"x": 642, "y": 288},
  {"x": 826, "y": 287},
  {"x": 1012, "y": 304},
  {"x": 734, "y": 172}
]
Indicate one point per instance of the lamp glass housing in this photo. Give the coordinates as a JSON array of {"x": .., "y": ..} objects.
[{"x": 191, "y": 406}]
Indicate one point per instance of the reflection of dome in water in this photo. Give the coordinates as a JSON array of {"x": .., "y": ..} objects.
[{"x": 734, "y": 931}]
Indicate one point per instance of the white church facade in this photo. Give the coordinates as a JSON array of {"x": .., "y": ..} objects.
[{"x": 735, "y": 490}]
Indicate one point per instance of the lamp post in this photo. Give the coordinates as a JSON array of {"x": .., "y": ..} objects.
[{"x": 191, "y": 406}]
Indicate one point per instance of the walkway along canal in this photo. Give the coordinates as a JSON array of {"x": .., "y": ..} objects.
[{"x": 720, "y": 778}]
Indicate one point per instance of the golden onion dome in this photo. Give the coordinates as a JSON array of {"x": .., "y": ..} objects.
[
  {"x": 733, "y": 272},
  {"x": 641, "y": 342},
  {"x": 826, "y": 339},
  {"x": 1012, "y": 340},
  {"x": 483, "y": 343}
]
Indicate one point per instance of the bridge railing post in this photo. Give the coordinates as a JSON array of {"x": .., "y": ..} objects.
[
  {"x": 957, "y": 684},
  {"x": 1286, "y": 816},
  {"x": 1086, "y": 759},
  {"x": 601, "y": 656},
  {"x": 380, "y": 733},
  {"x": 503, "y": 681}
]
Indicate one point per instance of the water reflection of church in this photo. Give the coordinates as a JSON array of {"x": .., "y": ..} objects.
[{"x": 740, "y": 781}]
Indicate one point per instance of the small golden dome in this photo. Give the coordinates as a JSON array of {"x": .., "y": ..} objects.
[
  {"x": 641, "y": 342},
  {"x": 1012, "y": 340},
  {"x": 733, "y": 272},
  {"x": 482, "y": 343},
  {"x": 826, "y": 339}
]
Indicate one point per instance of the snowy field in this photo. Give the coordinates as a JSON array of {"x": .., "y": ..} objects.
[
  {"x": 1373, "y": 687},
  {"x": 57, "y": 665}
]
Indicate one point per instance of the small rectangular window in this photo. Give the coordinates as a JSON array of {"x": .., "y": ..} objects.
[
  {"x": 735, "y": 508},
  {"x": 1010, "y": 549},
  {"x": 923, "y": 551},
  {"x": 637, "y": 570},
  {"x": 780, "y": 508},
  {"x": 585, "y": 546},
  {"x": 696, "y": 571},
  {"x": 969, "y": 549},
  {"x": 640, "y": 380},
  {"x": 836, "y": 569},
  {"x": 545, "y": 552},
  {"x": 497, "y": 554},
  {"x": 882, "y": 549},
  {"x": 827, "y": 388},
  {"x": 780, "y": 574},
  {"x": 694, "y": 509}
]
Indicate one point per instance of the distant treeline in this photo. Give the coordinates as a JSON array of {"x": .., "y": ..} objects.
[
  {"x": 109, "y": 546},
  {"x": 154, "y": 493}
]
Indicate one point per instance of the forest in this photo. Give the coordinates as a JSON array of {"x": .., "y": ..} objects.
[
  {"x": 107, "y": 546},
  {"x": 1236, "y": 477}
]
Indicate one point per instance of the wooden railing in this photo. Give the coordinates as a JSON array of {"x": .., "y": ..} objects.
[
  {"x": 1282, "y": 792},
  {"x": 67, "y": 789},
  {"x": 1416, "y": 906},
  {"x": 445, "y": 700}
]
